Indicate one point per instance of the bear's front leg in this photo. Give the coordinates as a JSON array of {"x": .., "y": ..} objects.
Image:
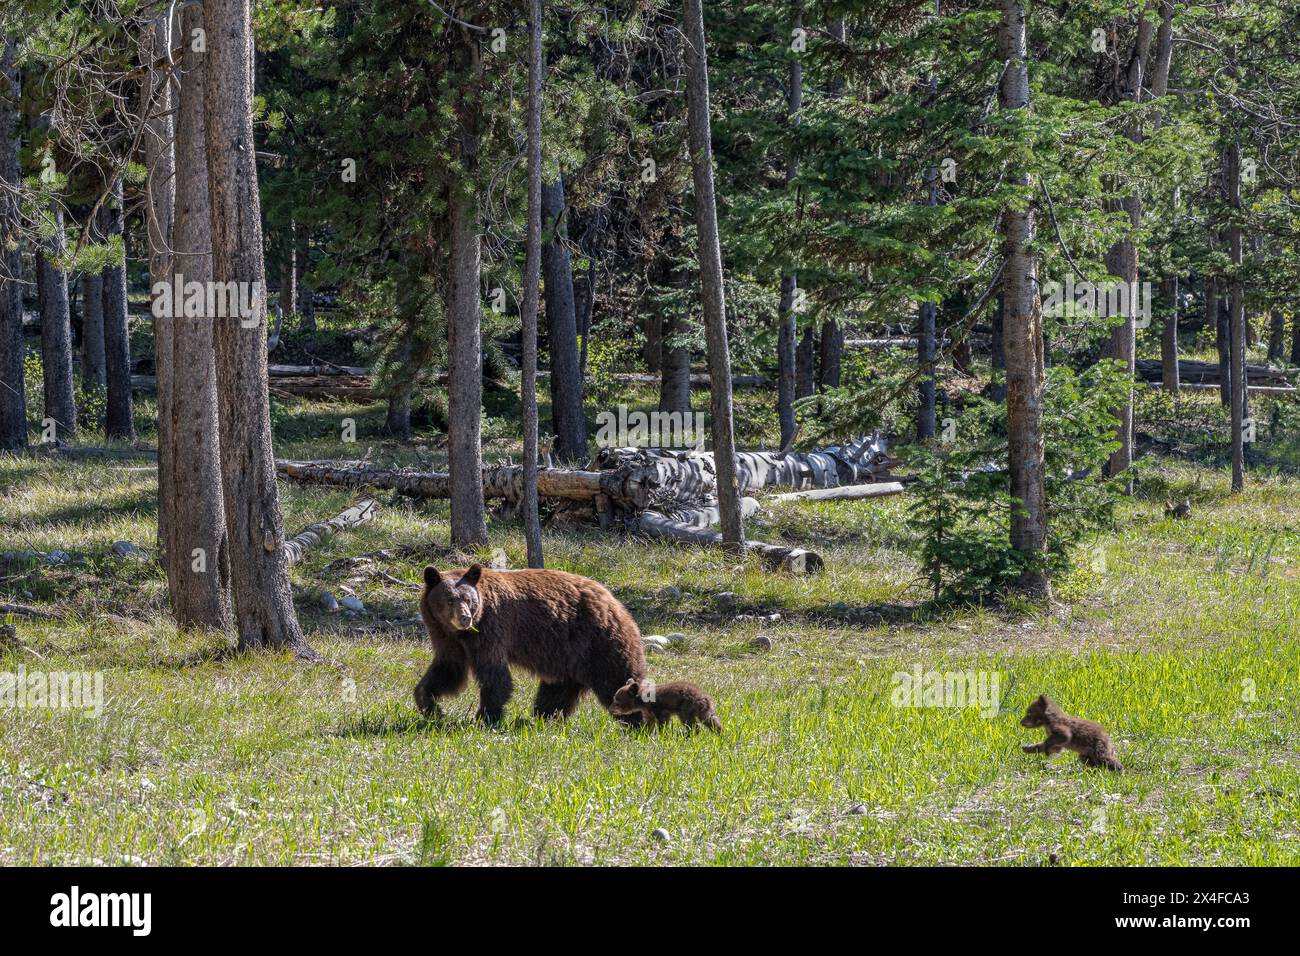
[
  {"x": 446, "y": 676},
  {"x": 495, "y": 687}
]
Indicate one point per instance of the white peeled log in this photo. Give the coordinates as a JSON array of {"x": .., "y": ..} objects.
[
  {"x": 306, "y": 539},
  {"x": 845, "y": 493}
]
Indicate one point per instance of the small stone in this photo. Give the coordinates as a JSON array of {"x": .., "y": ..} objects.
[
  {"x": 660, "y": 835},
  {"x": 654, "y": 648},
  {"x": 57, "y": 557},
  {"x": 352, "y": 603},
  {"x": 726, "y": 599},
  {"x": 677, "y": 637},
  {"x": 654, "y": 639},
  {"x": 328, "y": 602},
  {"x": 762, "y": 642},
  {"x": 124, "y": 549},
  {"x": 670, "y": 593},
  {"x": 858, "y": 809}
]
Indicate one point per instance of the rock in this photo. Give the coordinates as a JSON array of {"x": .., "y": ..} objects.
[
  {"x": 727, "y": 599},
  {"x": 352, "y": 603},
  {"x": 677, "y": 638},
  {"x": 839, "y": 607},
  {"x": 762, "y": 642},
  {"x": 654, "y": 639},
  {"x": 670, "y": 593},
  {"x": 328, "y": 602},
  {"x": 660, "y": 835},
  {"x": 9, "y": 636},
  {"x": 858, "y": 809},
  {"x": 653, "y": 648},
  {"x": 124, "y": 549},
  {"x": 57, "y": 557}
]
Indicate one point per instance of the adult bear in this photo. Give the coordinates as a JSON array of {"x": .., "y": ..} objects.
[{"x": 567, "y": 630}]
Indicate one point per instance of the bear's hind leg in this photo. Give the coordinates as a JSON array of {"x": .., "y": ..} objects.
[{"x": 557, "y": 700}]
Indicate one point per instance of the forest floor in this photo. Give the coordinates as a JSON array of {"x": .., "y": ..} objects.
[{"x": 1181, "y": 637}]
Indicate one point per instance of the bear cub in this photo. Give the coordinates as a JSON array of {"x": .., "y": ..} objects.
[
  {"x": 1089, "y": 740},
  {"x": 659, "y": 703}
]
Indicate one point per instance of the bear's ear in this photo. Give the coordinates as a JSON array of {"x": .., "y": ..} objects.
[
  {"x": 472, "y": 575},
  {"x": 431, "y": 577},
  {"x": 1043, "y": 700}
]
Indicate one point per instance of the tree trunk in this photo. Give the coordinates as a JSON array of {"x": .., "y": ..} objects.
[
  {"x": 787, "y": 319},
  {"x": 830, "y": 355},
  {"x": 13, "y": 398},
  {"x": 305, "y": 294},
  {"x": 1236, "y": 318},
  {"x": 1295, "y": 338},
  {"x": 805, "y": 365},
  {"x": 192, "y": 517},
  {"x": 118, "y": 421},
  {"x": 675, "y": 376},
  {"x": 699, "y": 133},
  {"x": 925, "y": 339},
  {"x": 652, "y": 350},
  {"x": 259, "y": 573},
  {"x": 465, "y": 390},
  {"x": 1222, "y": 340},
  {"x": 289, "y": 273},
  {"x": 532, "y": 276},
  {"x": 1022, "y": 327},
  {"x": 56, "y": 333},
  {"x": 562, "y": 329},
  {"x": 785, "y": 360},
  {"x": 1276, "y": 335},
  {"x": 1169, "y": 339}
]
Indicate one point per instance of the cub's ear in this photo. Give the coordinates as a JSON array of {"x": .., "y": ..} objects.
[
  {"x": 472, "y": 575},
  {"x": 431, "y": 577},
  {"x": 1043, "y": 701},
  {"x": 633, "y": 687}
]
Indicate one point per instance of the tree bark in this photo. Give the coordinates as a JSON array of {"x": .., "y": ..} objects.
[
  {"x": 1022, "y": 327},
  {"x": 675, "y": 375},
  {"x": 805, "y": 364},
  {"x": 93, "y": 372},
  {"x": 465, "y": 366},
  {"x": 532, "y": 277},
  {"x": 562, "y": 329},
  {"x": 56, "y": 332},
  {"x": 699, "y": 134},
  {"x": 118, "y": 421},
  {"x": 830, "y": 355},
  {"x": 787, "y": 328},
  {"x": 1236, "y": 317},
  {"x": 259, "y": 573},
  {"x": 1276, "y": 335},
  {"x": 191, "y": 510},
  {"x": 13, "y": 397}
]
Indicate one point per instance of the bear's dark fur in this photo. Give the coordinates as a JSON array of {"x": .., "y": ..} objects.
[{"x": 567, "y": 630}]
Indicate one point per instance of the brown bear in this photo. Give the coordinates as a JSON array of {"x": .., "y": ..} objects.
[
  {"x": 567, "y": 630},
  {"x": 659, "y": 703}
]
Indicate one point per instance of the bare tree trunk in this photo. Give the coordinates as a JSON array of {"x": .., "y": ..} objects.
[
  {"x": 192, "y": 534},
  {"x": 805, "y": 365},
  {"x": 56, "y": 332},
  {"x": 787, "y": 320},
  {"x": 699, "y": 133},
  {"x": 652, "y": 350},
  {"x": 13, "y": 398},
  {"x": 1236, "y": 317},
  {"x": 1276, "y": 336},
  {"x": 1022, "y": 327},
  {"x": 675, "y": 376},
  {"x": 157, "y": 105},
  {"x": 532, "y": 276},
  {"x": 562, "y": 329},
  {"x": 1169, "y": 339},
  {"x": 830, "y": 355},
  {"x": 259, "y": 573},
  {"x": 118, "y": 422},
  {"x": 465, "y": 389}
]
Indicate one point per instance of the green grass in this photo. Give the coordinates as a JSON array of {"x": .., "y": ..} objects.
[{"x": 1184, "y": 642}]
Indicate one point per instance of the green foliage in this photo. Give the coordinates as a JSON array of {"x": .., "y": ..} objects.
[{"x": 962, "y": 511}]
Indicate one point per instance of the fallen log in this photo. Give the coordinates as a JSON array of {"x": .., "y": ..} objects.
[
  {"x": 794, "y": 560},
  {"x": 500, "y": 481},
  {"x": 709, "y": 514},
  {"x": 1251, "y": 389},
  {"x": 306, "y": 539},
  {"x": 843, "y": 493}
]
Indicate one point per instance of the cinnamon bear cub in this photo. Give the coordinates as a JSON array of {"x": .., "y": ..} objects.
[
  {"x": 659, "y": 703},
  {"x": 1090, "y": 741},
  {"x": 567, "y": 630}
]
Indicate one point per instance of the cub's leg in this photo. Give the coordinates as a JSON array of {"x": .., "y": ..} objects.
[
  {"x": 495, "y": 688},
  {"x": 557, "y": 700},
  {"x": 446, "y": 676},
  {"x": 1054, "y": 744}
]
